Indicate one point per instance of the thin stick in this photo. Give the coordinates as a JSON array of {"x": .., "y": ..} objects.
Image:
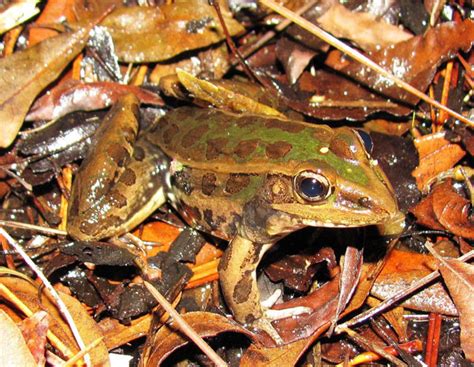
[
  {"x": 185, "y": 327},
  {"x": 45, "y": 230},
  {"x": 59, "y": 302},
  {"x": 333, "y": 41},
  {"x": 78, "y": 356},
  {"x": 373, "y": 347}
]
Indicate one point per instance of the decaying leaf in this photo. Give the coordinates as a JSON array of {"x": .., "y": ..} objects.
[
  {"x": 34, "y": 330},
  {"x": 44, "y": 62},
  {"x": 459, "y": 277},
  {"x": 73, "y": 95},
  {"x": 436, "y": 156},
  {"x": 444, "y": 208},
  {"x": 150, "y": 34}
]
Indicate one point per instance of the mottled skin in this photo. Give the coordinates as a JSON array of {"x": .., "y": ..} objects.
[{"x": 234, "y": 177}]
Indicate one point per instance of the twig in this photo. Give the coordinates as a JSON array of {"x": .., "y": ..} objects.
[
  {"x": 45, "y": 230},
  {"x": 185, "y": 327},
  {"x": 55, "y": 296},
  {"x": 78, "y": 356},
  {"x": 356, "y": 55},
  {"x": 372, "y": 347}
]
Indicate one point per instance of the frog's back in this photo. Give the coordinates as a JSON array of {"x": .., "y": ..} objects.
[{"x": 225, "y": 142}]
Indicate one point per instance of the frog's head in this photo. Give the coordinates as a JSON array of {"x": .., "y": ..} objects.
[{"x": 338, "y": 185}]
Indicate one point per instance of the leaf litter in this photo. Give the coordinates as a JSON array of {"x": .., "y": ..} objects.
[{"x": 173, "y": 54}]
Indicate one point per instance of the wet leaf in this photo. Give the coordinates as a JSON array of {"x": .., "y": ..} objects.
[
  {"x": 150, "y": 34},
  {"x": 73, "y": 95},
  {"x": 415, "y": 60},
  {"x": 459, "y": 278},
  {"x": 44, "y": 62}
]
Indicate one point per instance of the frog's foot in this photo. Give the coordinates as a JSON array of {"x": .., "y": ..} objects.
[
  {"x": 282, "y": 313},
  {"x": 266, "y": 325}
]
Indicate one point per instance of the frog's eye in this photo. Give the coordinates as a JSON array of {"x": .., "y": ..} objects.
[
  {"x": 312, "y": 186},
  {"x": 366, "y": 140}
]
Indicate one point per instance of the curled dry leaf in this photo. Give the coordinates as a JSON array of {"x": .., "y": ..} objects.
[
  {"x": 73, "y": 95},
  {"x": 150, "y": 34},
  {"x": 43, "y": 63},
  {"x": 437, "y": 155},
  {"x": 363, "y": 28},
  {"x": 459, "y": 278},
  {"x": 444, "y": 208},
  {"x": 206, "y": 324},
  {"x": 224, "y": 98}
]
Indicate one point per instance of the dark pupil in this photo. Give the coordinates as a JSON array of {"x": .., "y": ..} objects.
[
  {"x": 367, "y": 140},
  {"x": 311, "y": 187}
]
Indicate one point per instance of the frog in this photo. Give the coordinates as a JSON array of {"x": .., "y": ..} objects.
[{"x": 248, "y": 179}]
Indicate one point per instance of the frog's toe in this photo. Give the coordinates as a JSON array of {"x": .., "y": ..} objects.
[{"x": 287, "y": 312}]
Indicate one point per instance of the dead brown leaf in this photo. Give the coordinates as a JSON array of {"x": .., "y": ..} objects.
[
  {"x": 206, "y": 324},
  {"x": 34, "y": 329},
  {"x": 73, "y": 95},
  {"x": 436, "y": 156},
  {"x": 459, "y": 278},
  {"x": 25, "y": 74},
  {"x": 364, "y": 29},
  {"x": 13, "y": 348},
  {"x": 150, "y": 34}
]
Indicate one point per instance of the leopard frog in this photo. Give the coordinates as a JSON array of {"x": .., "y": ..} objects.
[{"x": 248, "y": 179}]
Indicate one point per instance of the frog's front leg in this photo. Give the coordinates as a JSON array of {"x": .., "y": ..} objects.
[{"x": 237, "y": 274}]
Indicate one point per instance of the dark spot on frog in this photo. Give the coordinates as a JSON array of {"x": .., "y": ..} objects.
[
  {"x": 182, "y": 181},
  {"x": 138, "y": 153},
  {"x": 215, "y": 147},
  {"x": 170, "y": 133},
  {"x": 342, "y": 148},
  {"x": 278, "y": 150},
  {"x": 193, "y": 136},
  {"x": 232, "y": 225},
  {"x": 208, "y": 183},
  {"x": 118, "y": 154},
  {"x": 243, "y": 288},
  {"x": 191, "y": 214},
  {"x": 128, "y": 177},
  {"x": 117, "y": 199},
  {"x": 209, "y": 218},
  {"x": 245, "y": 148},
  {"x": 284, "y": 125},
  {"x": 236, "y": 183},
  {"x": 196, "y": 26}
]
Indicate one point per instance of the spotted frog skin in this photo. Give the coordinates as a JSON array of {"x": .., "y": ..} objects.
[{"x": 248, "y": 179}]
